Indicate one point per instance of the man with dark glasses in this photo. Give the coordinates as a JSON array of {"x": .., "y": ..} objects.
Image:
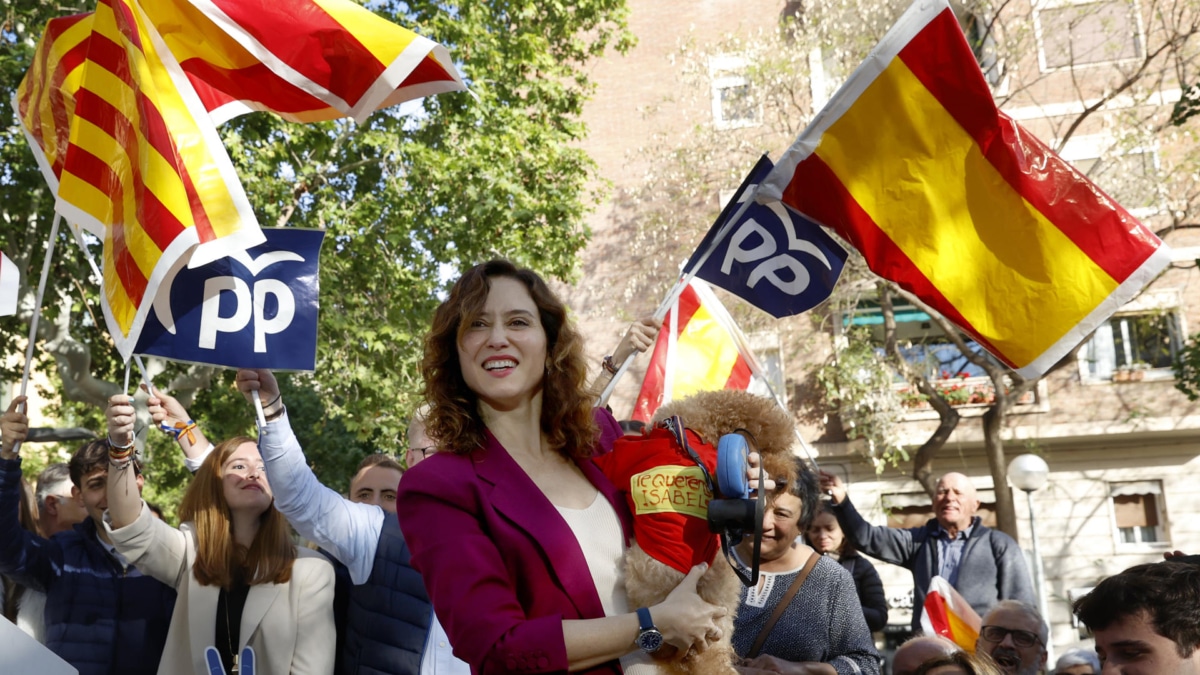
[{"x": 1014, "y": 635}]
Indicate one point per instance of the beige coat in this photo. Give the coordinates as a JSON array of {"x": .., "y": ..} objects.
[{"x": 290, "y": 626}]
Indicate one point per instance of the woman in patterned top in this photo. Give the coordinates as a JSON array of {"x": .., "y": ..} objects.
[{"x": 821, "y": 628}]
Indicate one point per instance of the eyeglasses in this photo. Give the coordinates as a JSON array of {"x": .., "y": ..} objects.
[
  {"x": 425, "y": 451},
  {"x": 1021, "y": 638}
]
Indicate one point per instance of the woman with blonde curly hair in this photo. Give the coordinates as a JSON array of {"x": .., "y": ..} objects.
[
  {"x": 240, "y": 580},
  {"x": 519, "y": 537}
]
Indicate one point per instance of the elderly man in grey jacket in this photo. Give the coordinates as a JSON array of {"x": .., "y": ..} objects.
[{"x": 984, "y": 565}]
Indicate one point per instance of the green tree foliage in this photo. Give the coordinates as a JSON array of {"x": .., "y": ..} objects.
[
  {"x": 1187, "y": 369},
  {"x": 406, "y": 199}
]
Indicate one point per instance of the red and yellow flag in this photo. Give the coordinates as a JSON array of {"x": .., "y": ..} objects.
[
  {"x": 913, "y": 164},
  {"x": 120, "y": 107},
  {"x": 305, "y": 60},
  {"x": 944, "y": 612},
  {"x": 142, "y": 166},
  {"x": 699, "y": 348}
]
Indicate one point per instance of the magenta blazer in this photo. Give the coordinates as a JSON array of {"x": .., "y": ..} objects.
[{"x": 501, "y": 565}]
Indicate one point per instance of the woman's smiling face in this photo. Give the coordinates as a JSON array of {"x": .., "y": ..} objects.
[{"x": 502, "y": 351}]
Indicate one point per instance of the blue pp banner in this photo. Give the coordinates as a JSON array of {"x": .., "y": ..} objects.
[
  {"x": 773, "y": 258},
  {"x": 254, "y": 309}
]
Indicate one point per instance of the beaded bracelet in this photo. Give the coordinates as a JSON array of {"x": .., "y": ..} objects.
[{"x": 119, "y": 453}]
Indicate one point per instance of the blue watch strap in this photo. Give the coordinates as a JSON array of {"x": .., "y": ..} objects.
[{"x": 644, "y": 620}]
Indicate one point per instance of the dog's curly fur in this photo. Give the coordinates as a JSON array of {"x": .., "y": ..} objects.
[{"x": 648, "y": 581}]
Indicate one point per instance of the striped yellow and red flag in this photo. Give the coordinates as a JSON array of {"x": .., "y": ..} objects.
[
  {"x": 143, "y": 167},
  {"x": 306, "y": 60},
  {"x": 700, "y": 348},
  {"x": 913, "y": 164},
  {"x": 45, "y": 98},
  {"x": 946, "y": 613},
  {"x": 120, "y": 107}
]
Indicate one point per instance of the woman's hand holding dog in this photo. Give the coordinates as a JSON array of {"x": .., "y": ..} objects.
[{"x": 684, "y": 619}]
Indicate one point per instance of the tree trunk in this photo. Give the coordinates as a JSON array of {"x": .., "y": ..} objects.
[{"x": 993, "y": 422}]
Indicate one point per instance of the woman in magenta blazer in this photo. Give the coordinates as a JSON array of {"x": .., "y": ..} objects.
[{"x": 495, "y": 519}]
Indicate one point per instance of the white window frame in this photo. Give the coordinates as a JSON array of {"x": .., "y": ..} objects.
[
  {"x": 728, "y": 71},
  {"x": 1097, "y": 146},
  {"x": 1149, "y": 486},
  {"x": 1166, "y": 300},
  {"x": 1041, "y": 5}
]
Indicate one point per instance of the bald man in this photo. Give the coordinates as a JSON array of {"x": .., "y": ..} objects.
[
  {"x": 984, "y": 565},
  {"x": 914, "y": 653}
]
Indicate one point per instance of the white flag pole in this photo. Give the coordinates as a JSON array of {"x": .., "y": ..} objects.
[
  {"x": 747, "y": 199},
  {"x": 37, "y": 312}
]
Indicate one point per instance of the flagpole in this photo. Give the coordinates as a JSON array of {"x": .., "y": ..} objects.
[
  {"x": 37, "y": 312},
  {"x": 659, "y": 315},
  {"x": 673, "y": 294},
  {"x": 690, "y": 267}
]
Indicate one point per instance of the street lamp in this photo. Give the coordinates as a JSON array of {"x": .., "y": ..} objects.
[{"x": 1029, "y": 473}]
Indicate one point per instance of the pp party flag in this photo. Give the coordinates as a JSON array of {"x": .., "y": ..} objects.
[
  {"x": 778, "y": 261},
  {"x": 256, "y": 308},
  {"x": 699, "y": 348},
  {"x": 10, "y": 286},
  {"x": 913, "y": 164},
  {"x": 946, "y": 613},
  {"x": 142, "y": 166},
  {"x": 305, "y": 60}
]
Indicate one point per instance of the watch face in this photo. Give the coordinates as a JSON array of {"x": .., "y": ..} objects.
[{"x": 650, "y": 640}]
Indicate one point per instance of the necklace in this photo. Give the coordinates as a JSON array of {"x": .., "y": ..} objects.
[{"x": 233, "y": 646}]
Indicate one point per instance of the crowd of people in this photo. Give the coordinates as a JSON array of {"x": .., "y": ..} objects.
[{"x": 499, "y": 546}]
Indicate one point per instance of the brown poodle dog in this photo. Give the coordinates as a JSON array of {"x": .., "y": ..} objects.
[{"x": 648, "y": 581}]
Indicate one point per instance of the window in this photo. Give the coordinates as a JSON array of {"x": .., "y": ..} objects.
[
  {"x": 1128, "y": 174},
  {"x": 981, "y": 33},
  {"x": 768, "y": 351},
  {"x": 1137, "y": 512},
  {"x": 733, "y": 103},
  {"x": 1072, "y": 33},
  {"x": 1143, "y": 344},
  {"x": 922, "y": 342}
]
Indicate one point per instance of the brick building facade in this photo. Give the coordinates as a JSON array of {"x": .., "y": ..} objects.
[{"x": 1122, "y": 444}]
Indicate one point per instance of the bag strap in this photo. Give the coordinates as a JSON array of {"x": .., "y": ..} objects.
[{"x": 783, "y": 604}]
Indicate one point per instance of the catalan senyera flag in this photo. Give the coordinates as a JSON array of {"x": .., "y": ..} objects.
[
  {"x": 143, "y": 167},
  {"x": 699, "y": 348},
  {"x": 120, "y": 107},
  {"x": 946, "y": 613},
  {"x": 10, "y": 286},
  {"x": 913, "y": 164}
]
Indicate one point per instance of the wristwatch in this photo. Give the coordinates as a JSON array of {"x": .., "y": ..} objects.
[{"x": 648, "y": 639}]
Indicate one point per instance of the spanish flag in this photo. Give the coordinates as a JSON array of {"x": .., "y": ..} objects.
[
  {"x": 947, "y": 614},
  {"x": 913, "y": 164},
  {"x": 699, "y": 348},
  {"x": 305, "y": 60}
]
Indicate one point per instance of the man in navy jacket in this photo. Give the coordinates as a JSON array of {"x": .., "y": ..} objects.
[
  {"x": 984, "y": 565},
  {"x": 102, "y": 616}
]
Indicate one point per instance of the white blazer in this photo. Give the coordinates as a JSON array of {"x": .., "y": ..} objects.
[{"x": 290, "y": 626}]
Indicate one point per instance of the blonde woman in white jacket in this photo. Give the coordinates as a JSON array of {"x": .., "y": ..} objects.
[{"x": 241, "y": 582}]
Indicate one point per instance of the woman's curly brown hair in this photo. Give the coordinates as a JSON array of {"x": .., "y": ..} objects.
[{"x": 453, "y": 421}]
